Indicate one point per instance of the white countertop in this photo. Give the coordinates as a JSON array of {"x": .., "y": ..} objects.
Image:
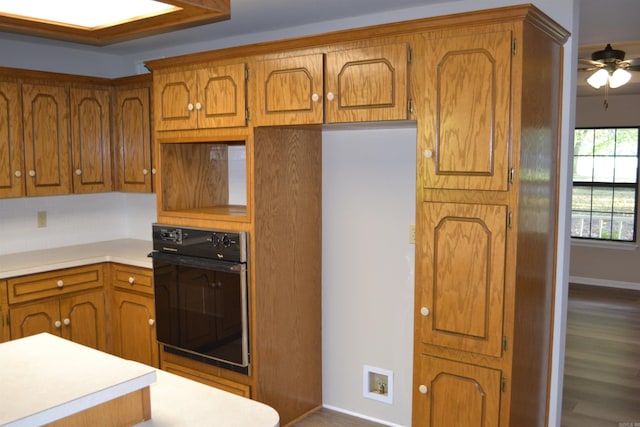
[
  {"x": 126, "y": 251},
  {"x": 44, "y": 378},
  {"x": 180, "y": 402}
]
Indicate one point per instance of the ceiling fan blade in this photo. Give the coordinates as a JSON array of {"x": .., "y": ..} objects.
[
  {"x": 590, "y": 62},
  {"x": 587, "y": 69},
  {"x": 634, "y": 64}
]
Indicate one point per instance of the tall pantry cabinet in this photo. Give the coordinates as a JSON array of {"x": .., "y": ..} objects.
[{"x": 488, "y": 144}]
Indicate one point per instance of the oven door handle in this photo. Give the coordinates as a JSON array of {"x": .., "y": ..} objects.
[{"x": 205, "y": 263}]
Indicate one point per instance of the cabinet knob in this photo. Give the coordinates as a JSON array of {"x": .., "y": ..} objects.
[
  {"x": 66, "y": 321},
  {"x": 153, "y": 171},
  {"x": 132, "y": 280},
  {"x": 425, "y": 311},
  {"x": 78, "y": 172},
  {"x": 32, "y": 173},
  {"x": 315, "y": 97},
  {"x": 57, "y": 324},
  {"x": 145, "y": 171},
  {"x": 60, "y": 283},
  {"x": 18, "y": 174},
  {"x": 428, "y": 153},
  {"x": 330, "y": 96},
  {"x": 151, "y": 322},
  {"x": 423, "y": 389},
  {"x": 198, "y": 106},
  {"x": 190, "y": 106}
]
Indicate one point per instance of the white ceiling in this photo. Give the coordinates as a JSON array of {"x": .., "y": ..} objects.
[{"x": 601, "y": 22}]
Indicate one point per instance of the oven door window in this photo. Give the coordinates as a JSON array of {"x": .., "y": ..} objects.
[{"x": 201, "y": 307}]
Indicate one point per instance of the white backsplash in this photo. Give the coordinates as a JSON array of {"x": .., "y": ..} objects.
[{"x": 74, "y": 219}]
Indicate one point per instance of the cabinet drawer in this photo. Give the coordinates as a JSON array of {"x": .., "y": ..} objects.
[
  {"x": 134, "y": 279},
  {"x": 53, "y": 283},
  {"x": 208, "y": 379}
]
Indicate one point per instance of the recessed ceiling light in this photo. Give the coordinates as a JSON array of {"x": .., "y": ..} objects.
[{"x": 82, "y": 13}]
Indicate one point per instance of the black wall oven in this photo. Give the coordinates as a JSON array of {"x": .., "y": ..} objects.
[{"x": 200, "y": 281}]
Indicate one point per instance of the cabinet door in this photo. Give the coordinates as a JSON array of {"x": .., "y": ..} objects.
[
  {"x": 175, "y": 98},
  {"x": 133, "y": 139},
  {"x": 455, "y": 394},
  {"x": 221, "y": 96},
  {"x": 91, "y": 140},
  {"x": 11, "y": 154},
  {"x": 368, "y": 84},
  {"x": 289, "y": 91},
  {"x": 460, "y": 272},
  {"x": 134, "y": 321},
  {"x": 467, "y": 91},
  {"x": 35, "y": 318},
  {"x": 45, "y": 112},
  {"x": 83, "y": 319}
]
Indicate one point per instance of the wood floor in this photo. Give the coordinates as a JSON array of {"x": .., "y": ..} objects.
[
  {"x": 328, "y": 418},
  {"x": 602, "y": 361}
]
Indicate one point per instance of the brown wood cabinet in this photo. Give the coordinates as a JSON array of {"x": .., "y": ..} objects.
[
  {"x": 134, "y": 314},
  {"x": 12, "y": 175},
  {"x": 91, "y": 139},
  {"x": 69, "y": 303},
  {"x": 5, "y": 333},
  {"x": 133, "y": 142},
  {"x": 487, "y": 178},
  {"x": 487, "y": 138},
  {"x": 209, "y": 97},
  {"x": 356, "y": 85},
  {"x": 45, "y": 109}
]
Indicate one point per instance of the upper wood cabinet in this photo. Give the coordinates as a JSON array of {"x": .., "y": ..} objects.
[
  {"x": 364, "y": 84},
  {"x": 468, "y": 92},
  {"x": 91, "y": 139},
  {"x": 133, "y": 142},
  {"x": 211, "y": 97},
  {"x": 45, "y": 110},
  {"x": 12, "y": 176},
  {"x": 289, "y": 91}
]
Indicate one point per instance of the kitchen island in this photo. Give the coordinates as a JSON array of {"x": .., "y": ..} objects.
[{"x": 45, "y": 379}]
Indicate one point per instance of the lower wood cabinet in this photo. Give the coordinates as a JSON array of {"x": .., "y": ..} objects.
[
  {"x": 456, "y": 394},
  {"x": 77, "y": 317},
  {"x": 134, "y": 324},
  {"x": 209, "y": 379},
  {"x": 5, "y": 334}
]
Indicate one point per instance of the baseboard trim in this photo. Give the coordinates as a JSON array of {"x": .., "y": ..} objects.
[
  {"x": 364, "y": 417},
  {"x": 604, "y": 283}
]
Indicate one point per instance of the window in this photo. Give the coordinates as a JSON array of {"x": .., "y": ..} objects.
[{"x": 605, "y": 184}]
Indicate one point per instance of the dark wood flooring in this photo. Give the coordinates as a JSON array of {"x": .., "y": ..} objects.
[
  {"x": 602, "y": 358},
  {"x": 328, "y": 418}
]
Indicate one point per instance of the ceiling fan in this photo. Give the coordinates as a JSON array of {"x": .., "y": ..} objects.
[{"x": 611, "y": 69}]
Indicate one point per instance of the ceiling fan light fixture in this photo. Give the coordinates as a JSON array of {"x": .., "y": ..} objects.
[
  {"x": 619, "y": 77},
  {"x": 598, "y": 79}
]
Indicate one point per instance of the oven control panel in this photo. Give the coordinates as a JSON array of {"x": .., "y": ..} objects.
[{"x": 204, "y": 243}]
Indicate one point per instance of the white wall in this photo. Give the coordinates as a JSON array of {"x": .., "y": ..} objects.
[
  {"x": 368, "y": 204},
  {"x": 596, "y": 262},
  {"x": 74, "y": 219},
  {"x": 357, "y": 328}
]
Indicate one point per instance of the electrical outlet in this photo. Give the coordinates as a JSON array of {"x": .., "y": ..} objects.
[
  {"x": 42, "y": 219},
  {"x": 412, "y": 234}
]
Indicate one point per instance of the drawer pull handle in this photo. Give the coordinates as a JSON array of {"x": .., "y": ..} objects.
[
  {"x": 60, "y": 283},
  {"x": 57, "y": 324},
  {"x": 423, "y": 389},
  {"x": 66, "y": 321},
  {"x": 151, "y": 322},
  {"x": 132, "y": 280}
]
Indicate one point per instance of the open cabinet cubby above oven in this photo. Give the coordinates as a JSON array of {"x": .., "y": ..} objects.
[{"x": 204, "y": 178}]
